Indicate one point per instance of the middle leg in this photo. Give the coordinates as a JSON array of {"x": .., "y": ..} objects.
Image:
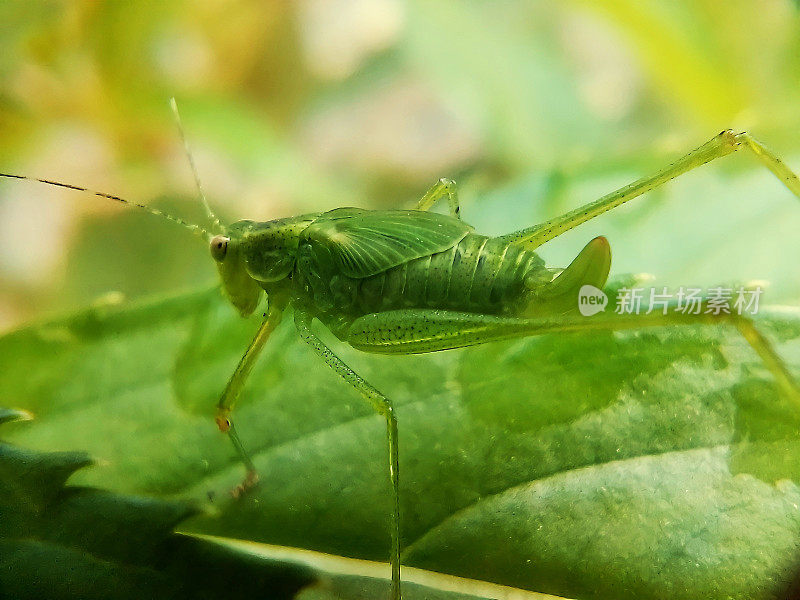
[{"x": 383, "y": 406}]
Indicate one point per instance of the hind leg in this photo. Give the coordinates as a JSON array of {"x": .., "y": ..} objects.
[
  {"x": 720, "y": 145},
  {"x": 415, "y": 331}
]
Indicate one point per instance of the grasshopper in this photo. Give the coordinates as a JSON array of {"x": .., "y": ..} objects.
[{"x": 414, "y": 281}]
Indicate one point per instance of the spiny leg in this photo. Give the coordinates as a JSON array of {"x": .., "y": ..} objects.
[
  {"x": 235, "y": 385},
  {"x": 720, "y": 145},
  {"x": 769, "y": 357},
  {"x": 415, "y": 331},
  {"x": 383, "y": 406},
  {"x": 443, "y": 187}
]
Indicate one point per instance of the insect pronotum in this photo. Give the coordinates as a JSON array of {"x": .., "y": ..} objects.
[{"x": 413, "y": 281}]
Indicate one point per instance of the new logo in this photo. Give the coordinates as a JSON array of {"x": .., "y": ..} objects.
[{"x": 591, "y": 300}]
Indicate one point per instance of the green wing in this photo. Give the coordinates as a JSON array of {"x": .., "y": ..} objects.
[{"x": 367, "y": 242}]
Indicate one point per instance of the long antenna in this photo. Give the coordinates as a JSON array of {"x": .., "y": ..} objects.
[
  {"x": 196, "y": 229},
  {"x": 209, "y": 213}
]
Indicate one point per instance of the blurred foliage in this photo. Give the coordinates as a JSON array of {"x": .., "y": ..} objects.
[{"x": 292, "y": 107}]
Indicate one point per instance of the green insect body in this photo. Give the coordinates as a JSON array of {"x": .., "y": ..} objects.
[
  {"x": 348, "y": 263},
  {"x": 412, "y": 281}
]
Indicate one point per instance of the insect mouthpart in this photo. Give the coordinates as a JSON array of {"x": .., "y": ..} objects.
[{"x": 219, "y": 247}]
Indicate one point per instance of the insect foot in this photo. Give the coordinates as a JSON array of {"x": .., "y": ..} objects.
[{"x": 250, "y": 481}]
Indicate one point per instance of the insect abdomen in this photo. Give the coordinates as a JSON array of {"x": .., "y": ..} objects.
[{"x": 479, "y": 274}]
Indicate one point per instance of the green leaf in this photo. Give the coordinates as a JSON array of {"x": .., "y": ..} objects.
[
  {"x": 650, "y": 464},
  {"x": 60, "y": 541},
  {"x": 74, "y": 542}
]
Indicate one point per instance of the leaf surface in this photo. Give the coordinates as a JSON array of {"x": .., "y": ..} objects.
[{"x": 646, "y": 464}]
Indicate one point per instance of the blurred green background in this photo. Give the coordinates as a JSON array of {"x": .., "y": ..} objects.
[{"x": 533, "y": 107}]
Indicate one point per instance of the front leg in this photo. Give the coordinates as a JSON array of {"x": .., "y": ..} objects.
[
  {"x": 443, "y": 187},
  {"x": 384, "y": 407},
  {"x": 231, "y": 393}
]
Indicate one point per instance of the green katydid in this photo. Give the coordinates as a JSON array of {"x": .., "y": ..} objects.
[{"x": 414, "y": 281}]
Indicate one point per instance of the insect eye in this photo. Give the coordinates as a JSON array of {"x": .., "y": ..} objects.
[{"x": 219, "y": 247}]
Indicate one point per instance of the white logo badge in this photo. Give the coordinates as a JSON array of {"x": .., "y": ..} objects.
[{"x": 591, "y": 300}]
